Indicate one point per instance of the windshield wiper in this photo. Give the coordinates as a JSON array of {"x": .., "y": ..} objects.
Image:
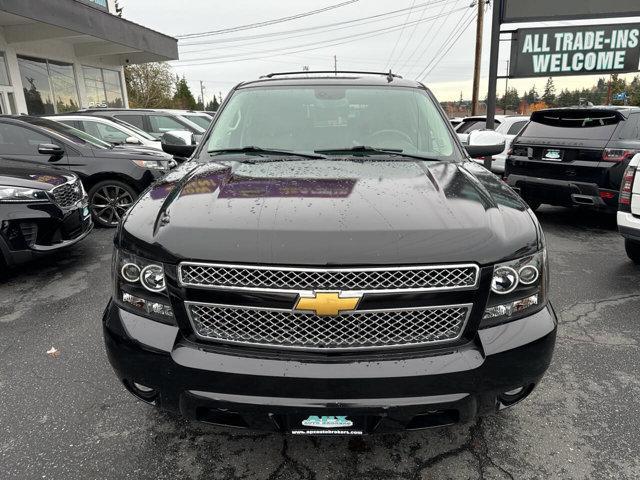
[
  {"x": 264, "y": 152},
  {"x": 363, "y": 149}
]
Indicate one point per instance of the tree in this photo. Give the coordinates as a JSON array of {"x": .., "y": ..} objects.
[
  {"x": 532, "y": 95},
  {"x": 183, "y": 98},
  {"x": 549, "y": 95},
  {"x": 511, "y": 100},
  {"x": 634, "y": 91},
  {"x": 213, "y": 105},
  {"x": 149, "y": 85}
]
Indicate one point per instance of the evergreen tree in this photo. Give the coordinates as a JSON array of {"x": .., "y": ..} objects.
[
  {"x": 510, "y": 100},
  {"x": 213, "y": 105},
  {"x": 549, "y": 95},
  {"x": 183, "y": 98}
]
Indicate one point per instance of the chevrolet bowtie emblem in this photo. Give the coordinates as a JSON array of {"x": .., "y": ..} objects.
[{"x": 327, "y": 304}]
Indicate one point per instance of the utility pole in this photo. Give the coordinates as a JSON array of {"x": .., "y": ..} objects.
[
  {"x": 476, "y": 69},
  {"x": 506, "y": 88},
  {"x": 493, "y": 70},
  {"x": 335, "y": 64},
  {"x": 204, "y": 106}
]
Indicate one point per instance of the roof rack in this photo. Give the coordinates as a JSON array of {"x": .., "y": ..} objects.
[{"x": 390, "y": 76}]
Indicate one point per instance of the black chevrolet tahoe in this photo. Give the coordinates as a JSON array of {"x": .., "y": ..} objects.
[
  {"x": 330, "y": 261},
  {"x": 574, "y": 156}
]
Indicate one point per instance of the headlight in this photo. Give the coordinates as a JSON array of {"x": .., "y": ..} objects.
[
  {"x": 518, "y": 288},
  {"x": 140, "y": 286},
  {"x": 152, "y": 164},
  {"x": 20, "y": 194}
]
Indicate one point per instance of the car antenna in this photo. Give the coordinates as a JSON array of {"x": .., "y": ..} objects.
[{"x": 390, "y": 77}]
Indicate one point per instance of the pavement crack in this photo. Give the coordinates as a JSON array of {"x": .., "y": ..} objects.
[{"x": 303, "y": 471}]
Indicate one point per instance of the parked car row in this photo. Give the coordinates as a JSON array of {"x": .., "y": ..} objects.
[
  {"x": 572, "y": 157},
  {"x": 60, "y": 175}
]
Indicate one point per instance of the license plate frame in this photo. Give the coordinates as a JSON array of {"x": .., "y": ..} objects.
[
  {"x": 553, "y": 155},
  {"x": 327, "y": 425}
]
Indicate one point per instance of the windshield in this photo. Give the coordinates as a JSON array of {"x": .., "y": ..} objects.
[
  {"x": 72, "y": 134},
  {"x": 572, "y": 124},
  {"x": 200, "y": 120},
  {"x": 309, "y": 119},
  {"x": 134, "y": 129}
]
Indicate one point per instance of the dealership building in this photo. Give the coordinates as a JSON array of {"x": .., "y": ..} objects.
[{"x": 61, "y": 55}]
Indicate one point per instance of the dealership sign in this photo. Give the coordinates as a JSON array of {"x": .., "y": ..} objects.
[
  {"x": 580, "y": 50},
  {"x": 514, "y": 11}
]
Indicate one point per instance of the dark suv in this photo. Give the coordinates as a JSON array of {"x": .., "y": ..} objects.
[
  {"x": 330, "y": 261},
  {"x": 113, "y": 177},
  {"x": 574, "y": 156}
]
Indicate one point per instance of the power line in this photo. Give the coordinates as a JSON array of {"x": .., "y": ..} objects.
[
  {"x": 471, "y": 20},
  {"x": 317, "y": 45},
  {"x": 363, "y": 20},
  {"x": 444, "y": 44},
  {"x": 305, "y": 34},
  {"x": 267, "y": 22},
  {"x": 413, "y": 32},
  {"x": 424, "y": 38},
  {"x": 400, "y": 36}
]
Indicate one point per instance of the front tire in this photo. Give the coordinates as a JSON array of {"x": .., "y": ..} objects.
[
  {"x": 633, "y": 250},
  {"x": 109, "y": 200}
]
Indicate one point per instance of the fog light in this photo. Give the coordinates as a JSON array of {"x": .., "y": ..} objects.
[
  {"x": 142, "y": 388},
  {"x": 130, "y": 272},
  {"x": 511, "y": 308},
  {"x": 152, "y": 278},
  {"x": 515, "y": 391}
]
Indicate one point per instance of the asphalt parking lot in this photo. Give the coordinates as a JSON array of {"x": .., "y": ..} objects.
[{"x": 69, "y": 418}]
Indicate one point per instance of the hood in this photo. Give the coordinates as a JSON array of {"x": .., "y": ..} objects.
[
  {"x": 19, "y": 174},
  {"x": 330, "y": 212},
  {"x": 136, "y": 152},
  {"x": 142, "y": 150}
]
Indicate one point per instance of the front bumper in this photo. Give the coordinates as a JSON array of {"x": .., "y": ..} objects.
[
  {"x": 385, "y": 392},
  {"x": 28, "y": 231},
  {"x": 563, "y": 193}
]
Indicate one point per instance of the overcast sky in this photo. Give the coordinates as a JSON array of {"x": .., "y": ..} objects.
[{"x": 407, "y": 50}]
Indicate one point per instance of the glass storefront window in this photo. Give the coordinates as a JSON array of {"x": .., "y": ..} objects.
[
  {"x": 36, "y": 87},
  {"x": 49, "y": 86},
  {"x": 4, "y": 71},
  {"x": 63, "y": 81},
  {"x": 103, "y": 87},
  {"x": 94, "y": 87}
]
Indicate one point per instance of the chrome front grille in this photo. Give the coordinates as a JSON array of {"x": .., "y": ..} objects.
[
  {"x": 385, "y": 279},
  {"x": 67, "y": 195},
  {"x": 281, "y": 328}
]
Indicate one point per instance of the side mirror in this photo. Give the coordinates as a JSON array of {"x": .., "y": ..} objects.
[
  {"x": 179, "y": 143},
  {"x": 132, "y": 141},
  {"x": 485, "y": 143},
  {"x": 50, "y": 149}
]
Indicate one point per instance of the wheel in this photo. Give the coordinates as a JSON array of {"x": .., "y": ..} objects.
[
  {"x": 109, "y": 200},
  {"x": 633, "y": 250}
]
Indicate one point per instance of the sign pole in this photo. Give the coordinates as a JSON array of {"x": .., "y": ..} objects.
[
  {"x": 493, "y": 70},
  {"x": 478, "y": 61}
]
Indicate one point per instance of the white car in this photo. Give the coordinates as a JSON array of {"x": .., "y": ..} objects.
[
  {"x": 508, "y": 125},
  {"x": 113, "y": 131},
  {"x": 629, "y": 210},
  {"x": 199, "y": 118}
]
